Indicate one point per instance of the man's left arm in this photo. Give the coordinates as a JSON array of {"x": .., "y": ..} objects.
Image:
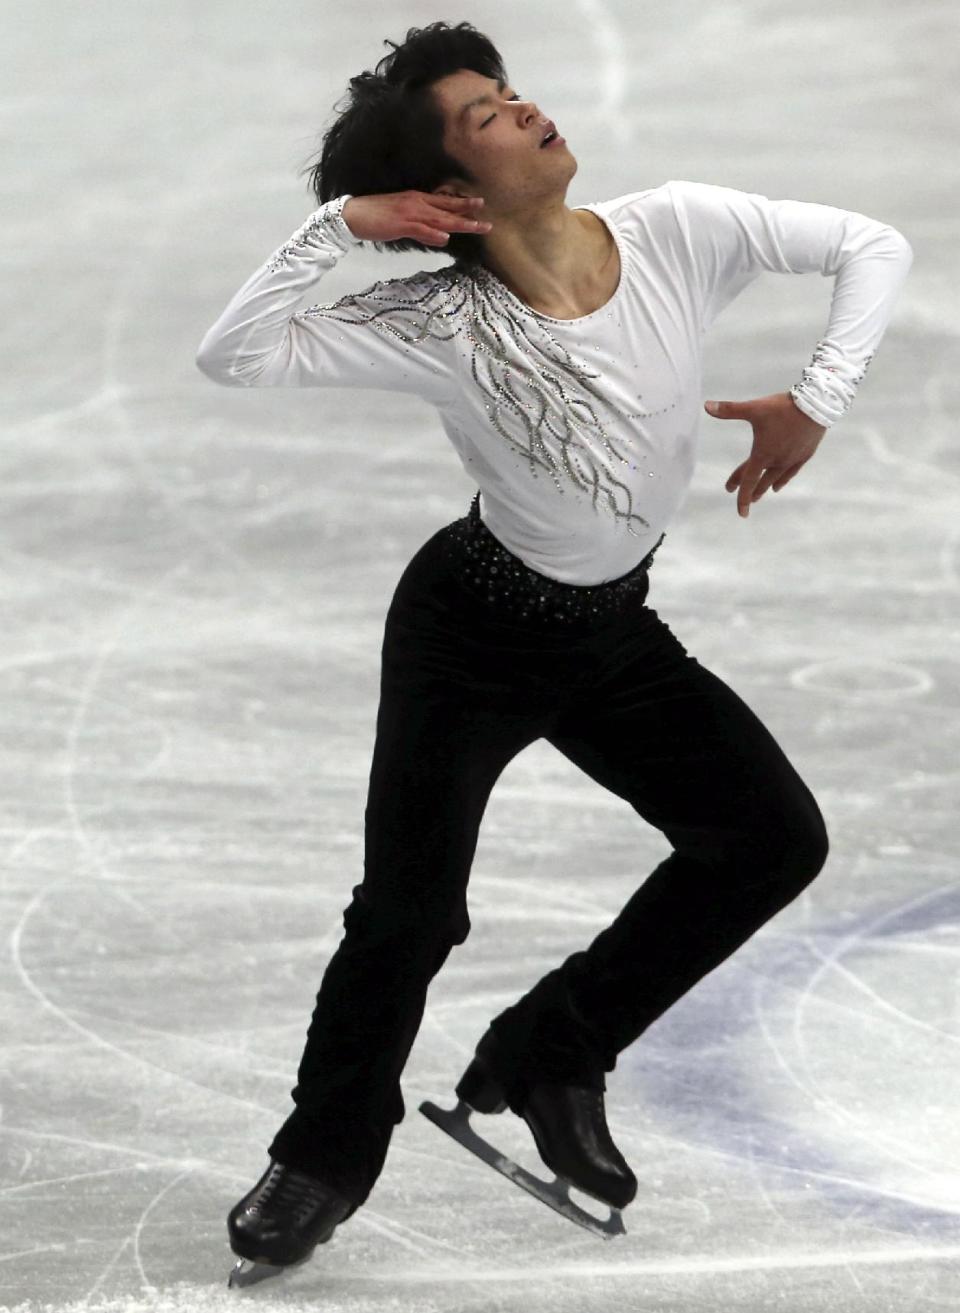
[{"x": 732, "y": 236}]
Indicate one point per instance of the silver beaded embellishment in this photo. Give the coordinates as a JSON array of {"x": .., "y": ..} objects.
[
  {"x": 812, "y": 388},
  {"x": 328, "y": 220},
  {"x": 433, "y": 311},
  {"x": 485, "y": 567},
  {"x": 553, "y": 398},
  {"x": 548, "y": 409}
]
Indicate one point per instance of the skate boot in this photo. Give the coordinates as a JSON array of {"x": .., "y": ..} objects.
[
  {"x": 568, "y": 1124},
  {"x": 569, "y": 1127},
  {"x": 279, "y": 1223}
]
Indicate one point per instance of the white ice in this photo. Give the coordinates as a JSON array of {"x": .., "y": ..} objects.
[{"x": 194, "y": 582}]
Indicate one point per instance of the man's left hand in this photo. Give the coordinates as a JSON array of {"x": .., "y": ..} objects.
[{"x": 784, "y": 439}]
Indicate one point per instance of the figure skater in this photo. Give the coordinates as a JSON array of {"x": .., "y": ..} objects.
[{"x": 562, "y": 348}]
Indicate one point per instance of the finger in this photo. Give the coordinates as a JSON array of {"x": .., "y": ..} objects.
[
  {"x": 764, "y": 484},
  {"x": 727, "y": 409},
  {"x": 467, "y": 203},
  {"x": 448, "y": 222},
  {"x": 751, "y": 477},
  {"x": 734, "y": 478},
  {"x": 788, "y": 475},
  {"x": 433, "y": 236},
  {"x": 437, "y": 236},
  {"x": 461, "y": 225}
]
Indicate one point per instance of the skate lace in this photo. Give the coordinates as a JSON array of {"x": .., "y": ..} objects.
[{"x": 286, "y": 1189}]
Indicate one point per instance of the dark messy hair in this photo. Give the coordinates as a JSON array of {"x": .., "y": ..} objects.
[{"x": 389, "y": 135}]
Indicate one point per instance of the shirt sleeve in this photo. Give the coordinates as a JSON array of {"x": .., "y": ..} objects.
[
  {"x": 731, "y": 236},
  {"x": 374, "y": 338}
]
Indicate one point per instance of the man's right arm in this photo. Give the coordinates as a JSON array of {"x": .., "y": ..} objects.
[{"x": 260, "y": 340}]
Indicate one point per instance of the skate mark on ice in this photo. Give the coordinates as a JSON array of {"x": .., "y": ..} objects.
[
  {"x": 588, "y": 1269},
  {"x": 116, "y": 330},
  {"x": 137, "y": 716},
  {"x": 392, "y": 1230},
  {"x": 528, "y": 895},
  {"x": 85, "y": 700},
  {"x": 38, "y": 993},
  {"x": 111, "y": 1264},
  {"x": 813, "y": 1094},
  {"x": 831, "y": 961},
  {"x": 421, "y": 1242},
  {"x": 29, "y": 1253},
  {"x": 158, "y": 1159},
  {"x": 141, "y": 1222},
  {"x": 433, "y": 1021},
  {"x": 854, "y": 1279},
  {"x": 64, "y": 1180},
  {"x": 815, "y": 1088}
]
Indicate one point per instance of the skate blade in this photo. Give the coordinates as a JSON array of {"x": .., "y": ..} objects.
[
  {"x": 556, "y": 1194},
  {"x": 248, "y": 1273}
]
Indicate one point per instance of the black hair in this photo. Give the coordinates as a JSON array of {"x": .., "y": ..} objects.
[{"x": 389, "y": 135}]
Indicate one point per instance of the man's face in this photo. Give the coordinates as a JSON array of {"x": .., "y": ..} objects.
[{"x": 498, "y": 136}]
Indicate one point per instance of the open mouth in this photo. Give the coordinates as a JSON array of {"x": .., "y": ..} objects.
[{"x": 550, "y": 136}]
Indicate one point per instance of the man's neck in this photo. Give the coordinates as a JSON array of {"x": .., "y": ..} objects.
[{"x": 558, "y": 261}]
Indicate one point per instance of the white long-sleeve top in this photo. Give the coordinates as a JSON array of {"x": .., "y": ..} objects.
[{"x": 581, "y": 434}]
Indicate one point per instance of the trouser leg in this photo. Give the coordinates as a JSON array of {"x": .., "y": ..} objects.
[
  {"x": 680, "y": 746},
  {"x": 442, "y": 739}
]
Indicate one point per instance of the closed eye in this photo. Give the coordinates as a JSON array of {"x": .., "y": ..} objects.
[{"x": 515, "y": 96}]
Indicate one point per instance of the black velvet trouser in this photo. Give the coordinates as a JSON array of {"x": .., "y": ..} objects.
[{"x": 465, "y": 686}]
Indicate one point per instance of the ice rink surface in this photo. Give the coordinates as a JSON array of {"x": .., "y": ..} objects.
[{"x": 194, "y": 584}]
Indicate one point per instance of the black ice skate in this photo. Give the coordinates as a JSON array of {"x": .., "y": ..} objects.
[
  {"x": 280, "y": 1222},
  {"x": 569, "y": 1128}
]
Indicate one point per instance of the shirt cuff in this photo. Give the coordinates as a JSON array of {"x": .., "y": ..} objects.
[
  {"x": 327, "y": 223},
  {"x": 336, "y": 224},
  {"x": 828, "y": 385}
]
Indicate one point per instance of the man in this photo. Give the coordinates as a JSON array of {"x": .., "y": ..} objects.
[{"x": 562, "y": 350}]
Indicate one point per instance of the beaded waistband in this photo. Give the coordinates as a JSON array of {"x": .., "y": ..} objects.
[{"x": 513, "y": 586}]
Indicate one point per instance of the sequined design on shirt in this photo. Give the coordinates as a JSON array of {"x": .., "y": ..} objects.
[
  {"x": 818, "y": 392},
  {"x": 327, "y": 221},
  {"x": 554, "y": 401},
  {"x": 555, "y": 398}
]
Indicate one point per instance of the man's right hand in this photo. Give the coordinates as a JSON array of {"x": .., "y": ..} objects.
[{"x": 428, "y": 217}]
